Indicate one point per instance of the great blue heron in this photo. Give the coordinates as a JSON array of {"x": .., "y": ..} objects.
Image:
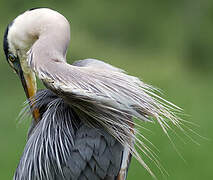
[{"x": 82, "y": 125}]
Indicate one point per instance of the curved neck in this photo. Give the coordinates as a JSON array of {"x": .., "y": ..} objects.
[{"x": 44, "y": 31}]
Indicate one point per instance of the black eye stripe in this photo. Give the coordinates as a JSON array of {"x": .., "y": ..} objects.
[
  {"x": 5, "y": 42},
  {"x": 39, "y": 8}
]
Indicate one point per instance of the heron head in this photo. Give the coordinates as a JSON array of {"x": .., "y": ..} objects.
[
  {"x": 17, "y": 42},
  {"x": 19, "y": 37},
  {"x": 42, "y": 25},
  {"x": 16, "y": 54}
]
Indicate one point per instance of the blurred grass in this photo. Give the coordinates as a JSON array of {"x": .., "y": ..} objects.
[{"x": 167, "y": 44}]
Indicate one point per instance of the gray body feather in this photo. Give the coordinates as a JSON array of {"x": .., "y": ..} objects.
[{"x": 62, "y": 147}]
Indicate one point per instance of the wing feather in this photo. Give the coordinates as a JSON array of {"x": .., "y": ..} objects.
[{"x": 105, "y": 95}]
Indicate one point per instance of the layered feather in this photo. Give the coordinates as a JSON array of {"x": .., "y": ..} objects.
[{"x": 105, "y": 95}]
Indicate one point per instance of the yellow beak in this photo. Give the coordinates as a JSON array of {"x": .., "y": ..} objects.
[
  {"x": 28, "y": 81},
  {"x": 30, "y": 91}
]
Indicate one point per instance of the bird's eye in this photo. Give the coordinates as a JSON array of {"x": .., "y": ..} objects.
[{"x": 11, "y": 57}]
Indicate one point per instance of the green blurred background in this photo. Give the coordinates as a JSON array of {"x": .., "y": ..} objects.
[{"x": 166, "y": 43}]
